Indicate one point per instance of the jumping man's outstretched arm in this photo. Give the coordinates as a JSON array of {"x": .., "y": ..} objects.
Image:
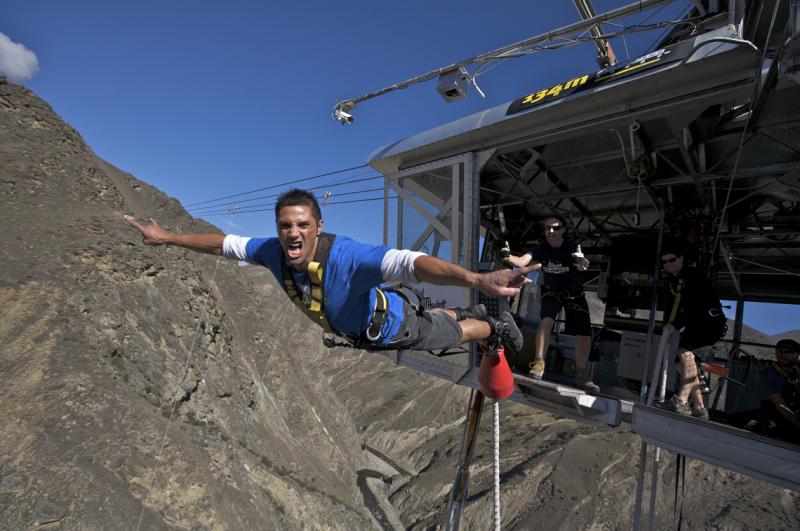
[
  {"x": 519, "y": 261},
  {"x": 155, "y": 234},
  {"x": 500, "y": 283}
]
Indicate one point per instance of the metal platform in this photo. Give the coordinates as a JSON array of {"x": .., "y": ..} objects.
[
  {"x": 676, "y": 126},
  {"x": 770, "y": 460},
  {"x": 554, "y": 398}
]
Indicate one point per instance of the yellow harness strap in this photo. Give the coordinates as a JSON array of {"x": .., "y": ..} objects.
[
  {"x": 677, "y": 303},
  {"x": 313, "y": 306},
  {"x": 315, "y": 275}
]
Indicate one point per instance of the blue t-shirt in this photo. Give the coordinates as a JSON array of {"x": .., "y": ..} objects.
[
  {"x": 352, "y": 273},
  {"x": 776, "y": 383}
]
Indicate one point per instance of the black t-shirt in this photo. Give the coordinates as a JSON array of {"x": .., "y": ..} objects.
[
  {"x": 559, "y": 272},
  {"x": 691, "y": 299}
]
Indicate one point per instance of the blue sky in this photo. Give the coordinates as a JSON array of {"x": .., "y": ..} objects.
[{"x": 204, "y": 99}]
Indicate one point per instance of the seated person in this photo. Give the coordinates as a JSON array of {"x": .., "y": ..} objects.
[
  {"x": 781, "y": 408},
  {"x": 561, "y": 262},
  {"x": 693, "y": 308}
]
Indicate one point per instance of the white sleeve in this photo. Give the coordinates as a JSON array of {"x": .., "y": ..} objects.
[
  {"x": 234, "y": 246},
  {"x": 398, "y": 265}
]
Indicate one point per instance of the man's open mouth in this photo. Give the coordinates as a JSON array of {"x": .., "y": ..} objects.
[{"x": 294, "y": 250}]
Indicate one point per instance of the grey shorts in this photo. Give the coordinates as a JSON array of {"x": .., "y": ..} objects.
[{"x": 425, "y": 330}]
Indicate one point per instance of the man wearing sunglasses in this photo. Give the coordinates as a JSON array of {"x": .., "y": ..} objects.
[
  {"x": 561, "y": 263},
  {"x": 693, "y": 308}
]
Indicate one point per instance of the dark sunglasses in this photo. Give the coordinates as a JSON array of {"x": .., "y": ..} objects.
[
  {"x": 554, "y": 227},
  {"x": 669, "y": 260}
]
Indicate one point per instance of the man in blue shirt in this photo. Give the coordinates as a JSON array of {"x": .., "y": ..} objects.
[
  {"x": 337, "y": 281},
  {"x": 782, "y": 390}
]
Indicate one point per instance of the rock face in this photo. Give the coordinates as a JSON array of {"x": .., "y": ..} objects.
[
  {"x": 154, "y": 388},
  {"x": 102, "y": 352}
]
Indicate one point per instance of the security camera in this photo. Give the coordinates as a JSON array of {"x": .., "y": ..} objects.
[
  {"x": 453, "y": 85},
  {"x": 342, "y": 117}
]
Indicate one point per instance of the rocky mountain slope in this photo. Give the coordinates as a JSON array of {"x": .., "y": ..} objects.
[
  {"x": 153, "y": 388},
  {"x": 101, "y": 351}
]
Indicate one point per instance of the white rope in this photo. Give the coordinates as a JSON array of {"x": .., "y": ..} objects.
[
  {"x": 175, "y": 400},
  {"x": 157, "y": 465},
  {"x": 496, "y": 464},
  {"x": 261, "y": 373}
]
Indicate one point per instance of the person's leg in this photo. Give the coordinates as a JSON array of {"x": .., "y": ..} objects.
[
  {"x": 693, "y": 339},
  {"x": 688, "y": 375},
  {"x": 696, "y": 394},
  {"x": 583, "y": 345},
  {"x": 482, "y": 326},
  {"x": 542, "y": 344},
  {"x": 461, "y": 314},
  {"x": 474, "y": 330},
  {"x": 471, "y": 329},
  {"x": 447, "y": 311},
  {"x": 696, "y": 403},
  {"x": 688, "y": 384},
  {"x": 579, "y": 324},
  {"x": 543, "y": 337}
]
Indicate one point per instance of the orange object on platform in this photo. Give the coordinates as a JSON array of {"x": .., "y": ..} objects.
[
  {"x": 494, "y": 377},
  {"x": 719, "y": 370}
]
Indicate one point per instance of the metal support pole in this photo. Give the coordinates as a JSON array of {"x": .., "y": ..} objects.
[
  {"x": 385, "y": 213},
  {"x": 737, "y": 323},
  {"x": 460, "y": 486},
  {"x": 637, "y": 507},
  {"x": 651, "y": 324},
  {"x": 662, "y": 385},
  {"x": 499, "y": 53},
  {"x": 658, "y": 383},
  {"x": 651, "y": 516},
  {"x": 655, "y": 376}
]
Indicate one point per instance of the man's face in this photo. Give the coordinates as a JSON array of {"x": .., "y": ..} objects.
[
  {"x": 672, "y": 264},
  {"x": 298, "y": 231},
  {"x": 786, "y": 357},
  {"x": 554, "y": 231}
]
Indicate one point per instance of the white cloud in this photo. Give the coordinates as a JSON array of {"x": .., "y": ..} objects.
[{"x": 17, "y": 62}]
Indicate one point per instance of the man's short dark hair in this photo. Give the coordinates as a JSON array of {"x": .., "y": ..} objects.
[
  {"x": 789, "y": 345},
  {"x": 298, "y": 197},
  {"x": 672, "y": 247},
  {"x": 558, "y": 217}
]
